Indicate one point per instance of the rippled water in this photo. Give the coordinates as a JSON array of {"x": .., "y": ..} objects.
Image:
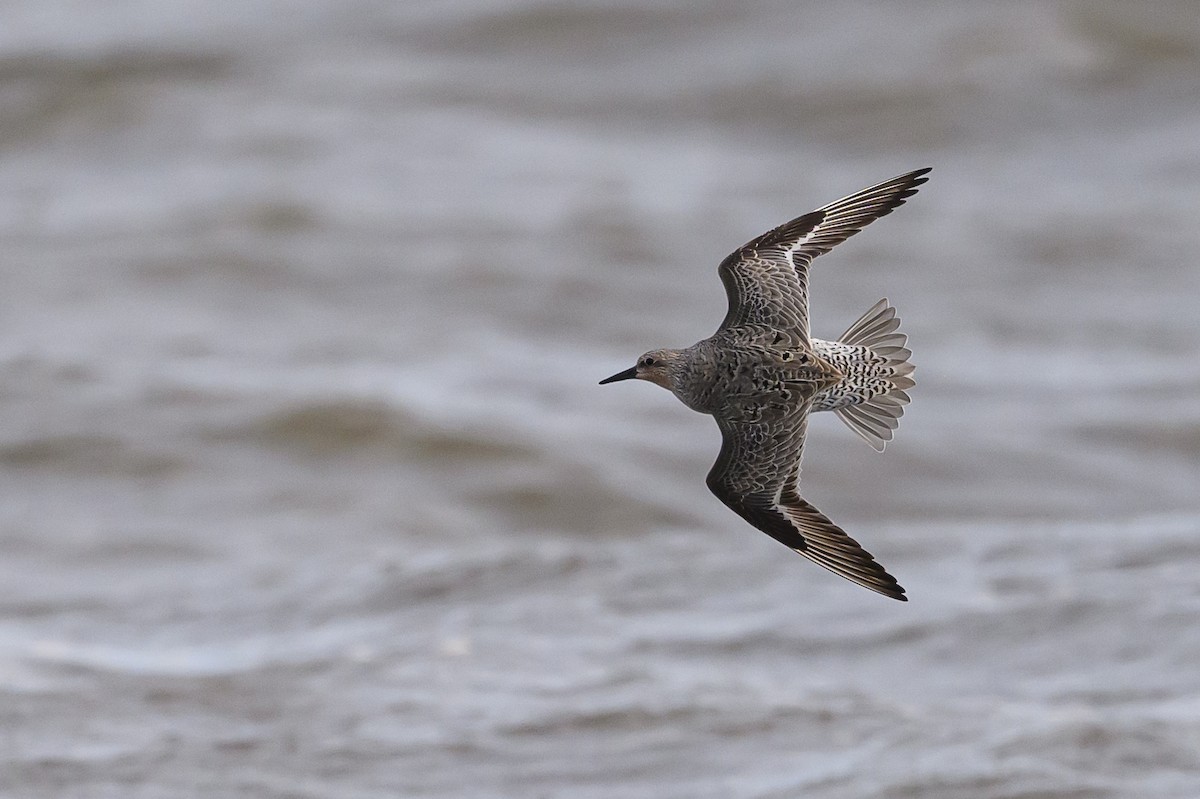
[{"x": 310, "y": 489}]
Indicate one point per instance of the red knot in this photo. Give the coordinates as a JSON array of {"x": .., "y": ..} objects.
[{"x": 761, "y": 374}]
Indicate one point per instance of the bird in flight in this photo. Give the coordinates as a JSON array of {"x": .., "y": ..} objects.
[{"x": 761, "y": 375}]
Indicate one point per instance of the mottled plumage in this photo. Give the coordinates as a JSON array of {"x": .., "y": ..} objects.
[{"x": 761, "y": 374}]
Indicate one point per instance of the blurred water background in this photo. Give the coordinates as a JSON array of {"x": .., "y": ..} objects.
[{"x": 309, "y": 489}]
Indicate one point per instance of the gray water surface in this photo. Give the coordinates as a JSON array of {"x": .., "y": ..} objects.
[{"x": 309, "y": 489}]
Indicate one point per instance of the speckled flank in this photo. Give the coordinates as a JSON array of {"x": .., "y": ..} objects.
[{"x": 761, "y": 374}]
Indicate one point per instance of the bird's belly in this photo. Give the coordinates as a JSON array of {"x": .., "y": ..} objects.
[{"x": 752, "y": 389}]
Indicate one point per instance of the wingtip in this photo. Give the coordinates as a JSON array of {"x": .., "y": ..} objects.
[
  {"x": 892, "y": 589},
  {"x": 918, "y": 177},
  {"x": 887, "y": 587}
]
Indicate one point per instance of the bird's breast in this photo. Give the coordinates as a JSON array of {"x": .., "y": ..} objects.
[{"x": 751, "y": 381}]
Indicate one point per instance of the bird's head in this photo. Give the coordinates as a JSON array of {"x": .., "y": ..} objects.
[{"x": 654, "y": 366}]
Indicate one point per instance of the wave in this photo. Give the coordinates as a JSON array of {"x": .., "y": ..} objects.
[{"x": 89, "y": 453}]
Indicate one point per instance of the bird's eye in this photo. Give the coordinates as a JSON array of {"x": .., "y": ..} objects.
[{"x": 647, "y": 361}]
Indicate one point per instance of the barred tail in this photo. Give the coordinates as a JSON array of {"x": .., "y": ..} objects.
[{"x": 876, "y": 418}]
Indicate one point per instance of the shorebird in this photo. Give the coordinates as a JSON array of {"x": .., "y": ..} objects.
[{"x": 761, "y": 375}]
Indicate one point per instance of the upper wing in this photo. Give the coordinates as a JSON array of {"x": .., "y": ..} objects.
[
  {"x": 766, "y": 280},
  {"x": 757, "y": 474},
  {"x": 761, "y": 283}
]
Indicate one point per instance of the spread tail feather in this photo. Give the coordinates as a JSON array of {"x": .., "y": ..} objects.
[{"x": 876, "y": 418}]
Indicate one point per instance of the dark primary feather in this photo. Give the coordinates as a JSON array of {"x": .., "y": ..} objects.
[{"x": 847, "y": 216}]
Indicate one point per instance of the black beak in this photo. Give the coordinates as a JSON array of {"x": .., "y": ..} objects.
[{"x": 628, "y": 374}]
